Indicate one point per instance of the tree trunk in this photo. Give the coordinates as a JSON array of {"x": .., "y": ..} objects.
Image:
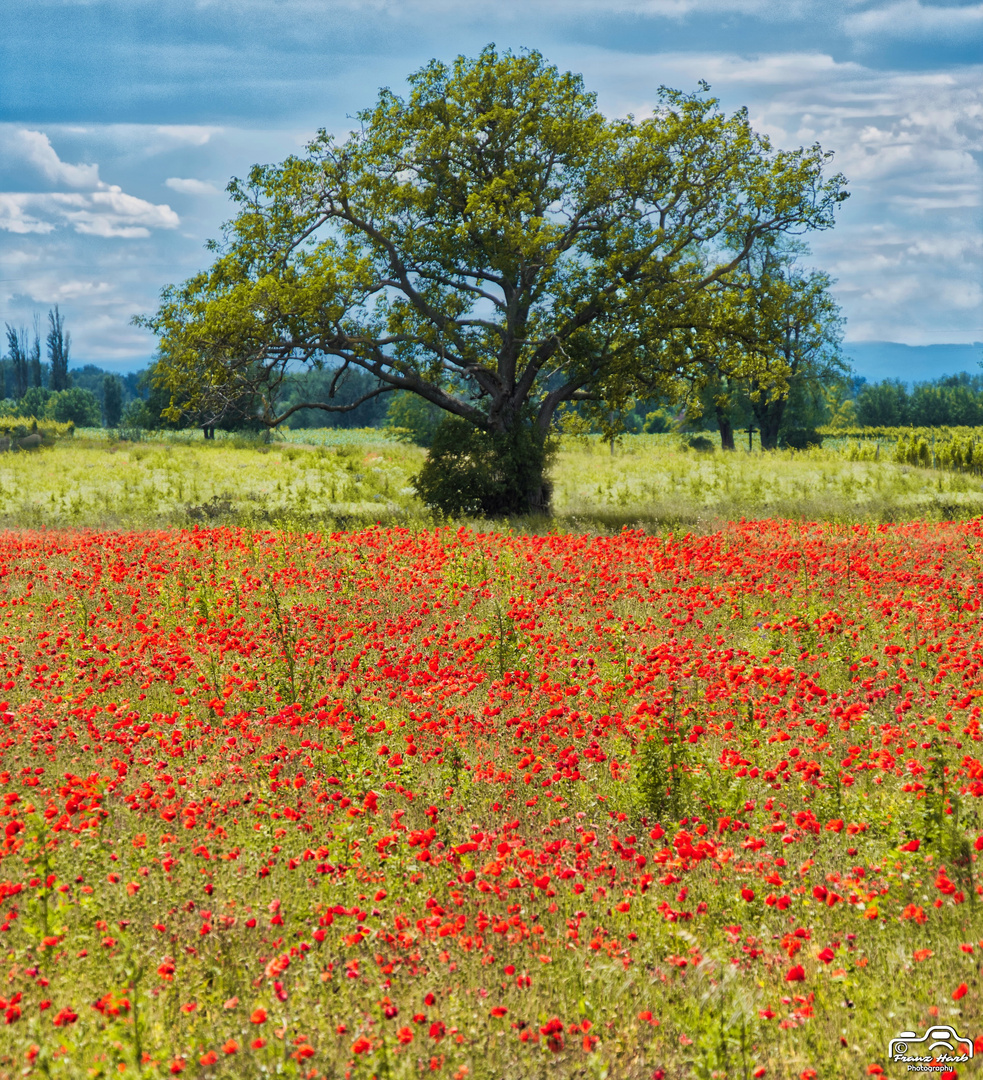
[
  {"x": 523, "y": 462},
  {"x": 769, "y": 416}
]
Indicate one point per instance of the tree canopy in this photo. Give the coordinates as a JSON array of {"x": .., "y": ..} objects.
[{"x": 490, "y": 242}]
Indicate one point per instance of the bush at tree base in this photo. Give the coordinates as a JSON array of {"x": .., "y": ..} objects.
[{"x": 471, "y": 471}]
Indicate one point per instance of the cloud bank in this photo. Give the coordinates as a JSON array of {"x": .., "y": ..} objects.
[
  {"x": 115, "y": 147},
  {"x": 93, "y": 208}
]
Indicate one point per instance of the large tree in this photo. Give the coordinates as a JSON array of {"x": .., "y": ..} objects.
[
  {"x": 490, "y": 242},
  {"x": 35, "y": 370}
]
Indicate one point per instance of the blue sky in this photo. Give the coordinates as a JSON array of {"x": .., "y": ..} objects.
[{"x": 121, "y": 121}]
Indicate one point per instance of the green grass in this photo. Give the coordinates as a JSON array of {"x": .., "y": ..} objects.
[
  {"x": 349, "y": 478},
  {"x": 655, "y": 479},
  {"x": 95, "y": 482}
]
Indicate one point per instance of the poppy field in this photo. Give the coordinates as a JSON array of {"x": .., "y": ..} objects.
[{"x": 396, "y": 803}]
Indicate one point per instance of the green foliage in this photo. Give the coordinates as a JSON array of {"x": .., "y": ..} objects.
[
  {"x": 326, "y": 386},
  {"x": 956, "y": 449},
  {"x": 414, "y": 418},
  {"x": 153, "y": 412},
  {"x": 791, "y": 328},
  {"x": 883, "y": 404},
  {"x": 112, "y": 400},
  {"x": 941, "y": 449},
  {"x": 58, "y": 341},
  {"x": 16, "y": 427},
  {"x": 469, "y": 471},
  {"x": 661, "y": 779},
  {"x": 951, "y": 401},
  {"x": 336, "y": 478},
  {"x": 799, "y": 438},
  {"x": 658, "y": 421},
  {"x": 913, "y": 449},
  {"x": 137, "y": 417},
  {"x": 91, "y": 377},
  {"x": 18, "y": 352},
  {"x": 842, "y": 411},
  {"x": 492, "y": 243},
  {"x": 34, "y": 402},
  {"x": 79, "y": 407}
]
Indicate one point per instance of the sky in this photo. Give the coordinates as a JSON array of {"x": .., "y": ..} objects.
[{"x": 122, "y": 121}]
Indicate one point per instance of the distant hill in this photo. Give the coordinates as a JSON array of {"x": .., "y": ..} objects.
[{"x": 877, "y": 360}]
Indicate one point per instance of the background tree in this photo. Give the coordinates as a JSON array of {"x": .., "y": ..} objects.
[
  {"x": 950, "y": 400},
  {"x": 784, "y": 337},
  {"x": 491, "y": 243},
  {"x": 17, "y": 354},
  {"x": 91, "y": 377},
  {"x": 413, "y": 417},
  {"x": 58, "y": 341},
  {"x": 34, "y": 402},
  {"x": 724, "y": 399},
  {"x": 80, "y": 407},
  {"x": 112, "y": 400},
  {"x": 34, "y": 359},
  {"x": 327, "y": 386}
]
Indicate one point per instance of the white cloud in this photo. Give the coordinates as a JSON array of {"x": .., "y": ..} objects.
[
  {"x": 192, "y": 187},
  {"x": 907, "y": 253},
  {"x": 107, "y": 213},
  {"x": 168, "y": 135},
  {"x": 912, "y": 19},
  {"x": 629, "y": 82},
  {"x": 910, "y": 144},
  {"x": 146, "y": 138},
  {"x": 15, "y": 217},
  {"x": 114, "y": 213},
  {"x": 94, "y": 208},
  {"x": 36, "y": 149}
]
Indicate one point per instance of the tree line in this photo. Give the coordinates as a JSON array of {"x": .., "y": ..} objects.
[
  {"x": 821, "y": 390},
  {"x": 949, "y": 401},
  {"x": 813, "y": 400},
  {"x": 40, "y": 386}
]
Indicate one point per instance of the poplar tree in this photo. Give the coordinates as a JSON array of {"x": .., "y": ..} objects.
[
  {"x": 17, "y": 354},
  {"x": 58, "y": 345}
]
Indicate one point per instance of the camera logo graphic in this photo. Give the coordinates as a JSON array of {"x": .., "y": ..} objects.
[{"x": 939, "y": 1043}]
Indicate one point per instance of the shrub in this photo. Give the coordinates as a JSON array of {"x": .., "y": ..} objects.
[
  {"x": 660, "y": 778},
  {"x": 799, "y": 439},
  {"x": 20, "y": 427},
  {"x": 34, "y": 402},
  {"x": 470, "y": 471},
  {"x": 75, "y": 406}
]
